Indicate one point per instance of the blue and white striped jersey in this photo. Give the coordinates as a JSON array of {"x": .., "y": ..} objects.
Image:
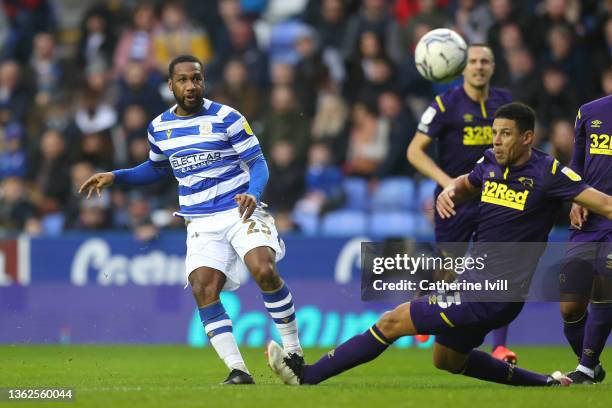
[{"x": 207, "y": 152}]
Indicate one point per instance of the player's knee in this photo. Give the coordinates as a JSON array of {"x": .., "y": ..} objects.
[
  {"x": 390, "y": 324},
  {"x": 264, "y": 272},
  {"x": 573, "y": 311},
  {"x": 205, "y": 291}
]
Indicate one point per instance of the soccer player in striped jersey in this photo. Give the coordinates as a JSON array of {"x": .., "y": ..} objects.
[
  {"x": 221, "y": 174},
  {"x": 587, "y": 273},
  {"x": 460, "y": 120}
]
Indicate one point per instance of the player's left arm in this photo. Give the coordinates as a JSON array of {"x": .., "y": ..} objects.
[
  {"x": 259, "y": 175},
  {"x": 595, "y": 201},
  {"x": 459, "y": 190},
  {"x": 578, "y": 214},
  {"x": 247, "y": 146}
]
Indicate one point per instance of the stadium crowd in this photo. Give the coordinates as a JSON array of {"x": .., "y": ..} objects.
[{"x": 329, "y": 87}]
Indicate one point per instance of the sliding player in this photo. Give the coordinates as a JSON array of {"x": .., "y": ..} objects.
[
  {"x": 521, "y": 191},
  {"x": 460, "y": 121}
]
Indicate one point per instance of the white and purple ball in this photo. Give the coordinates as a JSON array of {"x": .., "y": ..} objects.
[{"x": 440, "y": 55}]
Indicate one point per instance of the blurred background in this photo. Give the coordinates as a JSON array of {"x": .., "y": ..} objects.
[{"x": 329, "y": 87}]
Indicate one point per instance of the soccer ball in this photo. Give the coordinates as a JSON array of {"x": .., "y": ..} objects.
[{"x": 440, "y": 55}]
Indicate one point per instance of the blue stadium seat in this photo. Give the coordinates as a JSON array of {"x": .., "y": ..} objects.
[
  {"x": 424, "y": 227},
  {"x": 356, "y": 190},
  {"x": 393, "y": 224},
  {"x": 308, "y": 223},
  {"x": 395, "y": 193},
  {"x": 343, "y": 223},
  {"x": 53, "y": 224},
  {"x": 425, "y": 191}
]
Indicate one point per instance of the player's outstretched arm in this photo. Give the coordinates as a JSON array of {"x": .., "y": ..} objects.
[
  {"x": 596, "y": 201},
  {"x": 459, "y": 190},
  {"x": 96, "y": 183},
  {"x": 423, "y": 163}
]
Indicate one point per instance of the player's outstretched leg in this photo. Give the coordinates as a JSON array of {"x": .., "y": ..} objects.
[
  {"x": 277, "y": 297},
  {"x": 392, "y": 325},
  {"x": 483, "y": 366},
  {"x": 357, "y": 350},
  {"x": 206, "y": 284},
  {"x": 597, "y": 330},
  {"x": 500, "y": 351}
]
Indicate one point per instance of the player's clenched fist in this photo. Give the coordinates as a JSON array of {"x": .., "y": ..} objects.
[
  {"x": 97, "y": 182},
  {"x": 444, "y": 204},
  {"x": 246, "y": 205}
]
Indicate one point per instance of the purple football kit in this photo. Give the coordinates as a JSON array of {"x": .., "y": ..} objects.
[
  {"x": 462, "y": 129},
  {"x": 589, "y": 251},
  {"x": 592, "y": 158},
  {"x": 517, "y": 204}
]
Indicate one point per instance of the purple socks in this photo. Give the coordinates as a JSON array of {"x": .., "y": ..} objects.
[
  {"x": 484, "y": 366},
  {"x": 355, "y": 351}
]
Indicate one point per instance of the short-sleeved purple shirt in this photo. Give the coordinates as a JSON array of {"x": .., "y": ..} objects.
[{"x": 592, "y": 157}]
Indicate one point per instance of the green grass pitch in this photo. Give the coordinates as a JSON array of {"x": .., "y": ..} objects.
[{"x": 179, "y": 376}]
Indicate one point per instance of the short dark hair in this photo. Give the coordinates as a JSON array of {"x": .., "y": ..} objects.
[
  {"x": 182, "y": 58},
  {"x": 522, "y": 114},
  {"x": 483, "y": 45}
]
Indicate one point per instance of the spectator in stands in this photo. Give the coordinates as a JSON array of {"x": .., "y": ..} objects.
[
  {"x": 240, "y": 44},
  {"x": 503, "y": 13},
  {"x": 311, "y": 71},
  {"x": 93, "y": 114},
  {"x": 374, "y": 16},
  {"x": 368, "y": 141},
  {"x": 557, "y": 99},
  {"x": 553, "y": 12},
  {"x": 285, "y": 122},
  {"x": 330, "y": 24},
  {"x": 429, "y": 14},
  {"x": 288, "y": 176},
  {"x": 323, "y": 182},
  {"x": 365, "y": 64},
  {"x": 522, "y": 77},
  {"x": 98, "y": 38},
  {"x": 25, "y": 19},
  {"x": 330, "y": 120},
  {"x": 136, "y": 42},
  {"x": 473, "y": 19},
  {"x": 177, "y": 36},
  {"x": 16, "y": 209},
  {"x": 237, "y": 91},
  {"x": 14, "y": 96},
  {"x": 601, "y": 58},
  {"x": 562, "y": 140},
  {"x": 563, "y": 53},
  {"x": 138, "y": 88},
  {"x": 52, "y": 75},
  {"x": 49, "y": 173},
  {"x": 399, "y": 124},
  {"x": 12, "y": 152}
]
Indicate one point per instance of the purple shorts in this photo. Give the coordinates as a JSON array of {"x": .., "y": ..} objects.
[
  {"x": 464, "y": 326},
  {"x": 459, "y": 228},
  {"x": 588, "y": 253}
]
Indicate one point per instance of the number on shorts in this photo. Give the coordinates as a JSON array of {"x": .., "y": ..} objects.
[{"x": 252, "y": 227}]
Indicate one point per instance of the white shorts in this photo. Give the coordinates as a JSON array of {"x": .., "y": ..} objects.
[{"x": 221, "y": 241}]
